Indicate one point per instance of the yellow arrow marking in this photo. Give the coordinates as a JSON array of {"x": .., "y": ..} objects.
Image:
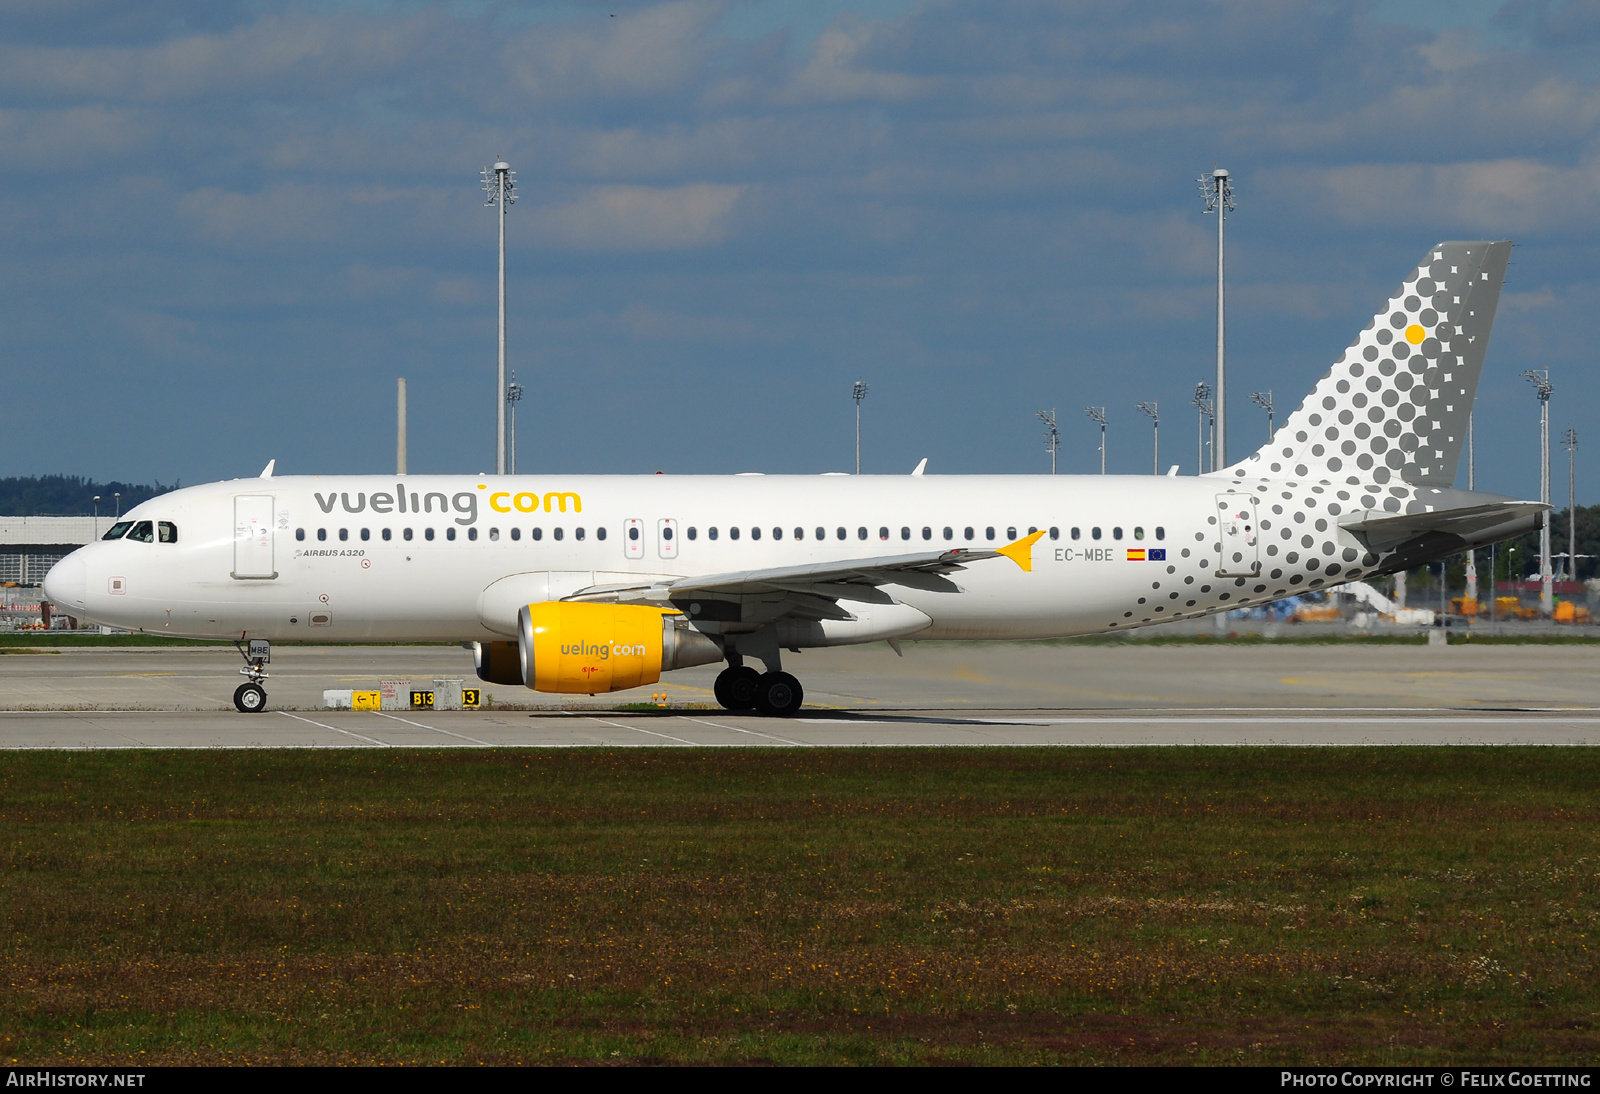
[{"x": 1021, "y": 552}]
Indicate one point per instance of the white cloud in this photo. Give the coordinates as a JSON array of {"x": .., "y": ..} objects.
[{"x": 643, "y": 218}]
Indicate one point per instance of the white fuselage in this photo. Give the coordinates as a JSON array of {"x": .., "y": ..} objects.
[{"x": 335, "y": 559}]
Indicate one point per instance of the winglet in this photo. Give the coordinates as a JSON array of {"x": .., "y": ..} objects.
[
  {"x": 266, "y": 472},
  {"x": 1021, "y": 552}
]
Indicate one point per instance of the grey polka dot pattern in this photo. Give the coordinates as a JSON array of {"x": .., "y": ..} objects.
[{"x": 1393, "y": 409}]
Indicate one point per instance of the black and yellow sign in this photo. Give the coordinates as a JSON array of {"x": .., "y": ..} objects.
[
  {"x": 471, "y": 698},
  {"x": 422, "y": 700}
]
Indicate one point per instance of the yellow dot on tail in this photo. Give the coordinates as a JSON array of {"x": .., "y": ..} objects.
[{"x": 1415, "y": 334}]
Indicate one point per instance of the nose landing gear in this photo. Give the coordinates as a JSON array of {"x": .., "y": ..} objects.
[{"x": 250, "y": 697}]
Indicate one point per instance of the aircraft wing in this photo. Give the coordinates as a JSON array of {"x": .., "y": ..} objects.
[
  {"x": 1381, "y": 531},
  {"x": 808, "y": 592}
]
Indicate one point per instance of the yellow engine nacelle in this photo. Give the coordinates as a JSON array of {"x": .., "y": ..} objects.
[{"x": 592, "y": 648}]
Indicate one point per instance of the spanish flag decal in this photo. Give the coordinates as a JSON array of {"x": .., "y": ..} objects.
[{"x": 1135, "y": 554}]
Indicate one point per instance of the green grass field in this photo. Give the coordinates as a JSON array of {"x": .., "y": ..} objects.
[{"x": 1260, "y": 906}]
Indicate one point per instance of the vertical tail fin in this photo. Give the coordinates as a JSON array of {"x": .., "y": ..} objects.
[{"x": 1395, "y": 404}]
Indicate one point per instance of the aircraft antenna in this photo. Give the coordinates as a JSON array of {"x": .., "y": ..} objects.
[
  {"x": 500, "y": 189},
  {"x": 1151, "y": 408},
  {"x": 1052, "y": 435},
  {"x": 1217, "y": 189},
  {"x": 1541, "y": 386},
  {"x": 1098, "y": 414}
]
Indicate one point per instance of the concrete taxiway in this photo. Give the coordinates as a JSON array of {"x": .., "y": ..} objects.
[{"x": 1128, "y": 693}]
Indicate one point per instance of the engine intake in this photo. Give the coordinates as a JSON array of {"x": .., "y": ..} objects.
[{"x": 592, "y": 648}]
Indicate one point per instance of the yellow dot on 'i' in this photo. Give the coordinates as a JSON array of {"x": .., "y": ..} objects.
[{"x": 1415, "y": 334}]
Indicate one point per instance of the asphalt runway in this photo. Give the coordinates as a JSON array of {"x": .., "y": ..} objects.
[{"x": 1127, "y": 693}]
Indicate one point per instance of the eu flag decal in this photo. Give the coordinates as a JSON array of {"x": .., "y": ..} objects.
[
  {"x": 1135, "y": 554},
  {"x": 1158, "y": 554}
]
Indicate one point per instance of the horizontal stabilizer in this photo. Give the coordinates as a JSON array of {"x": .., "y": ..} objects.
[{"x": 1473, "y": 524}]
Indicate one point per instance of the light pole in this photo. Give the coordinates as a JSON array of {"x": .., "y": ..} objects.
[
  {"x": 1153, "y": 409},
  {"x": 1541, "y": 386},
  {"x": 513, "y": 397},
  {"x": 1202, "y": 403},
  {"x": 1217, "y": 189},
  {"x": 1472, "y": 556},
  {"x": 118, "y": 496},
  {"x": 1052, "y": 435},
  {"x": 1263, "y": 399},
  {"x": 1569, "y": 441},
  {"x": 1098, "y": 414},
  {"x": 858, "y": 392},
  {"x": 97, "y": 516},
  {"x": 499, "y": 187}
]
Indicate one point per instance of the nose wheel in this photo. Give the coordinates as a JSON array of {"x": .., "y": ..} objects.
[{"x": 250, "y": 697}]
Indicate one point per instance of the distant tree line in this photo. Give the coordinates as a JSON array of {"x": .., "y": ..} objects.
[
  {"x": 70, "y": 496},
  {"x": 1518, "y": 559}
]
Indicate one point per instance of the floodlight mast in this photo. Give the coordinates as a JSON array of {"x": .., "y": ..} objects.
[
  {"x": 1472, "y": 484},
  {"x": 1153, "y": 409},
  {"x": 1098, "y": 414},
  {"x": 1540, "y": 380},
  {"x": 1052, "y": 435},
  {"x": 513, "y": 397},
  {"x": 1263, "y": 399},
  {"x": 499, "y": 187},
  {"x": 858, "y": 392},
  {"x": 1569, "y": 441},
  {"x": 1202, "y": 403},
  {"x": 1217, "y": 188}
]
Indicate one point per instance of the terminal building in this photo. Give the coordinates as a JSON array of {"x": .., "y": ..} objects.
[{"x": 29, "y": 546}]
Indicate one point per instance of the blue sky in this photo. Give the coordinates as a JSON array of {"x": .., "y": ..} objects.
[{"x": 225, "y": 228}]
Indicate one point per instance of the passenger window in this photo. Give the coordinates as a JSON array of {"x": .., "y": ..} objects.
[
  {"x": 755, "y": 533},
  {"x": 577, "y": 533},
  {"x": 633, "y": 533},
  {"x": 166, "y": 532},
  {"x": 559, "y": 534},
  {"x": 1116, "y": 533},
  {"x": 822, "y": 533},
  {"x": 712, "y": 531},
  {"x": 842, "y": 533},
  {"x": 799, "y": 533},
  {"x": 427, "y": 533},
  {"x": 450, "y": 534},
  {"x": 600, "y": 533},
  {"x": 472, "y": 533},
  {"x": 883, "y": 533},
  {"x": 1138, "y": 533},
  {"x": 494, "y": 534},
  {"x": 905, "y": 533},
  {"x": 1055, "y": 533},
  {"x": 1032, "y": 529},
  {"x": 366, "y": 534},
  {"x": 949, "y": 533},
  {"x": 967, "y": 532},
  {"x": 1075, "y": 533},
  {"x": 666, "y": 533},
  {"x": 387, "y": 535},
  {"x": 1161, "y": 533},
  {"x": 407, "y": 534},
  {"x": 861, "y": 533},
  {"x": 322, "y": 535},
  {"x": 693, "y": 532},
  {"x": 1011, "y": 533},
  {"x": 120, "y": 529},
  {"x": 299, "y": 534},
  {"x": 144, "y": 532},
  {"x": 344, "y": 535},
  {"x": 516, "y": 534},
  {"x": 777, "y": 533},
  {"x": 733, "y": 533},
  {"x": 537, "y": 534},
  {"x": 1094, "y": 533},
  {"x": 927, "y": 533},
  {"x": 988, "y": 533}
]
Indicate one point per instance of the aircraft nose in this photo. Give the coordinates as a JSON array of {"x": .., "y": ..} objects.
[{"x": 67, "y": 582}]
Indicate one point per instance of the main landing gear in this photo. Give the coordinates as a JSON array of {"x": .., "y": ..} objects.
[
  {"x": 250, "y": 697},
  {"x": 775, "y": 694}
]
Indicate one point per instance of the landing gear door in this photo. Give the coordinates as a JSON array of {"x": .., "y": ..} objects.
[
  {"x": 253, "y": 536},
  {"x": 1239, "y": 536},
  {"x": 667, "y": 537}
]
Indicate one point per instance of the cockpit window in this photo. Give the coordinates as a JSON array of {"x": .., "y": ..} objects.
[
  {"x": 118, "y": 530},
  {"x": 166, "y": 532},
  {"x": 144, "y": 532}
]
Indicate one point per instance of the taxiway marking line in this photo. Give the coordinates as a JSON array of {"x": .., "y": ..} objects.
[
  {"x": 651, "y": 732},
  {"x": 436, "y": 729},
  {"x": 736, "y": 729},
  {"x": 336, "y": 729}
]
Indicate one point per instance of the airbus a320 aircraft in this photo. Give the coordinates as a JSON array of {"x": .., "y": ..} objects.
[{"x": 597, "y": 584}]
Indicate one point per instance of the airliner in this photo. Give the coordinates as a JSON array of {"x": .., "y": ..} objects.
[{"x": 594, "y": 584}]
